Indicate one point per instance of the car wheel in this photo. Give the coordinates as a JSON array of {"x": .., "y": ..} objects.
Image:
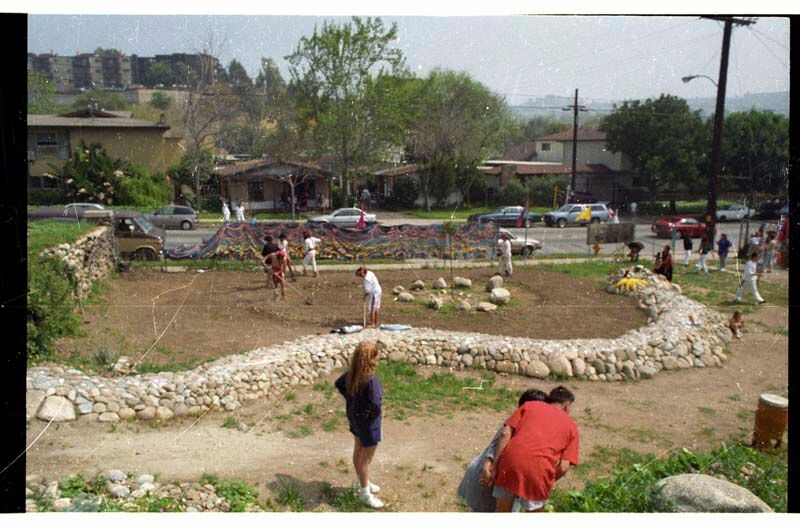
[
  {"x": 528, "y": 224},
  {"x": 144, "y": 254},
  {"x": 595, "y": 220},
  {"x": 562, "y": 223},
  {"x": 722, "y": 219},
  {"x": 186, "y": 225},
  {"x": 527, "y": 251}
]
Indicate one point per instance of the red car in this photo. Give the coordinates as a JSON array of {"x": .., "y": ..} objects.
[{"x": 685, "y": 225}]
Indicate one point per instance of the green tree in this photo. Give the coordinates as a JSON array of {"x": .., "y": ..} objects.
[
  {"x": 107, "y": 52},
  {"x": 755, "y": 144},
  {"x": 457, "y": 123},
  {"x": 664, "y": 140},
  {"x": 160, "y": 101},
  {"x": 90, "y": 175},
  {"x": 540, "y": 126},
  {"x": 237, "y": 76},
  {"x": 41, "y": 95},
  {"x": 105, "y": 100},
  {"x": 271, "y": 88},
  {"x": 331, "y": 73},
  {"x": 195, "y": 168},
  {"x": 160, "y": 73}
]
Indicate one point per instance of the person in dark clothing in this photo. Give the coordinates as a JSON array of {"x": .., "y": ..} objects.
[
  {"x": 687, "y": 248},
  {"x": 635, "y": 248},
  {"x": 363, "y": 395},
  {"x": 723, "y": 245},
  {"x": 268, "y": 248},
  {"x": 663, "y": 264}
]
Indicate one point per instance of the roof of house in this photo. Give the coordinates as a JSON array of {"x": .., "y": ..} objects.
[
  {"x": 549, "y": 169},
  {"x": 397, "y": 171},
  {"x": 585, "y": 134},
  {"x": 110, "y": 121},
  {"x": 239, "y": 168},
  {"x": 521, "y": 151}
]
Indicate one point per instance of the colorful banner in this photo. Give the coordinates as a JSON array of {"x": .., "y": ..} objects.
[{"x": 244, "y": 241}]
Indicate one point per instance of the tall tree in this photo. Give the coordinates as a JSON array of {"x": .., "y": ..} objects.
[
  {"x": 664, "y": 140},
  {"x": 458, "y": 123},
  {"x": 41, "y": 95},
  {"x": 271, "y": 88},
  {"x": 540, "y": 126},
  {"x": 331, "y": 73},
  {"x": 159, "y": 73},
  {"x": 755, "y": 144},
  {"x": 237, "y": 76}
]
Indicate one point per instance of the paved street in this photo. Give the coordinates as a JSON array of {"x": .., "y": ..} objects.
[{"x": 555, "y": 240}]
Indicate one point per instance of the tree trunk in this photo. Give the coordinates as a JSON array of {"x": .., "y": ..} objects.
[{"x": 292, "y": 199}]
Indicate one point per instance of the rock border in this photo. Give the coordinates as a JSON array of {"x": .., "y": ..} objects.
[{"x": 669, "y": 341}]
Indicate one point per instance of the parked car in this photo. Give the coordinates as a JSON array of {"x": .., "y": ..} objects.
[
  {"x": 76, "y": 208},
  {"x": 520, "y": 245},
  {"x": 771, "y": 210},
  {"x": 568, "y": 214},
  {"x": 345, "y": 218},
  {"x": 734, "y": 212},
  {"x": 505, "y": 216},
  {"x": 174, "y": 216},
  {"x": 73, "y": 210},
  {"x": 685, "y": 225},
  {"x": 137, "y": 237}
]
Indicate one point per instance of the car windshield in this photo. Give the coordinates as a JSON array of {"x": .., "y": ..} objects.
[
  {"x": 565, "y": 208},
  {"x": 144, "y": 224}
]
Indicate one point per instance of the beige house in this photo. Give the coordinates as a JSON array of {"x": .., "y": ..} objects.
[{"x": 52, "y": 138}]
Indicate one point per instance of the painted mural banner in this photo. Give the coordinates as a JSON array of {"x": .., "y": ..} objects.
[
  {"x": 604, "y": 233},
  {"x": 243, "y": 241}
]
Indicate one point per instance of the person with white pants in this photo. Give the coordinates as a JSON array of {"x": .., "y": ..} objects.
[
  {"x": 310, "y": 252},
  {"x": 750, "y": 279},
  {"x": 703, "y": 255},
  {"x": 687, "y": 249},
  {"x": 504, "y": 267},
  {"x": 372, "y": 295},
  {"x": 226, "y": 212}
]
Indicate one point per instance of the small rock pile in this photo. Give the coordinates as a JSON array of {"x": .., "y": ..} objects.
[
  {"x": 683, "y": 333},
  {"x": 89, "y": 258}
]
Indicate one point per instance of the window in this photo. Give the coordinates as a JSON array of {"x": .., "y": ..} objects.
[
  {"x": 576, "y": 209},
  {"x": 51, "y": 145},
  {"x": 598, "y": 208},
  {"x": 255, "y": 191},
  {"x": 184, "y": 211},
  {"x": 164, "y": 210},
  {"x": 545, "y": 147}
]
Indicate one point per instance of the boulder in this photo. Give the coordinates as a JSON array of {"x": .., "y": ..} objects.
[
  {"x": 696, "y": 492},
  {"x": 109, "y": 417},
  {"x": 435, "y": 302},
  {"x": 560, "y": 366},
  {"x": 418, "y": 285},
  {"x": 500, "y": 296},
  {"x": 485, "y": 307},
  {"x": 398, "y": 289},
  {"x": 56, "y": 408},
  {"x": 463, "y": 305},
  {"x": 537, "y": 369},
  {"x": 440, "y": 284},
  {"x": 458, "y": 281},
  {"x": 33, "y": 400},
  {"x": 578, "y": 366},
  {"x": 495, "y": 282},
  {"x": 505, "y": 367},
  {"x": 122, "y": 366},
  {"x": 405, "y": 297}
]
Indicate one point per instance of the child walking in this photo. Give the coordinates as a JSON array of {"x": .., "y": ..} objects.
[
  {"x": 363, "y": 395},
  {"x": 750, "y": 279}
]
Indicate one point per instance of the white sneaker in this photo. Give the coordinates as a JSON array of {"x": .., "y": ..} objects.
[
  {"x": 369, "y": 499},
  {"x": 373, "y": 488}
]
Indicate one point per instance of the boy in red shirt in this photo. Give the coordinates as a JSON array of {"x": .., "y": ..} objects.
[{"x": 538, "y": 444}]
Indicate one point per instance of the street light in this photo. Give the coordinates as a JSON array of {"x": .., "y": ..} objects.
[{"x": 688, "y": 78}]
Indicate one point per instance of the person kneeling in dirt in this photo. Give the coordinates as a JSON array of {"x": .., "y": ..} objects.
[
  {"x": 538, "y": 444},
  {"x": 736, "y": 323},
  {"x": 372, "y": 294},
  {"x": 363, "y": 396},
  {"x": 475, "y": 487},
  {"x": 635, "y": 248}
]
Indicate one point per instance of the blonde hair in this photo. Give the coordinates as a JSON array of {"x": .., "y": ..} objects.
[{"x": 362, "y": 366}]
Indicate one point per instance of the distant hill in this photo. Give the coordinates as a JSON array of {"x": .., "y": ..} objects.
[{"x": 550, "y": 106}]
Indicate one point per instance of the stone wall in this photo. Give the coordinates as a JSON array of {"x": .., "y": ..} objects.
[
  {"x": 89, "y": 258},
  {"x": 669, "y": 341}
]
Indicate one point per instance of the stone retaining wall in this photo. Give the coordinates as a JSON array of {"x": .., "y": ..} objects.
[
  {"x": 669, "y": 341},
  {"x": 89, "y": 258}
]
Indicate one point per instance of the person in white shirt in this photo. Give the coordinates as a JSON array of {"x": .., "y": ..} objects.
[
  {"x": 310, "y": 252},
  {"x": 226, "y": 212},
  {"x": 750, "y": 279},
  {"x": 283, "y": 244},
  {"x": 504, "y": 266},
  {"x": 372, "y": 294},
  {"x": 240, "y": 212},
  {"x": 614, "y": 216},
  {"x": 633, "y": 209}
]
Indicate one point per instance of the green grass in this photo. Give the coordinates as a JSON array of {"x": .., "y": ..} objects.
[
  {"x": 237, "y": 492},
  {"x": 631, "y": 483},
  {"x": 408, "y": 393},
  {"x": 230, "y": 423},
  {"x": 44, "y": 234},
  {"x": 289, "y": 496},
  {"x": 343, "y": 499},
  {"x": 169, "y": 366}
]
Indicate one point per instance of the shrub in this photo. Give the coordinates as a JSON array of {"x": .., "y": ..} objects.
[
  {"x": 159, "y": 100},
  {"x": 405, "y": 193},
  {"x": 338, "y": 197},
  {"x": 51, "y": 306},
  {"x": 541, "y": 188},
  {"x": 91, "y": 174},
  {"x": 139, "y": 188},
  {"x": 512, "y": 194},
  {"x": 44, "y": 197}
]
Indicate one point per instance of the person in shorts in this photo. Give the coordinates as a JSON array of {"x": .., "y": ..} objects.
[
  {"x": 372, "y": 294},
  {"x": 363, "y": 396},
  {"x": 283, "y": 244},
  {"x": 538, "y": 444}
]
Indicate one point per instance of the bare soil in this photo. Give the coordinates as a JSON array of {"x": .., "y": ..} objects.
[
  {"x": 421, "y": 460},
  {"x": 212, "y": 314}
]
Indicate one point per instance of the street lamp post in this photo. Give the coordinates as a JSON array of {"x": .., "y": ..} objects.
[{"x": 688, "y": 78}]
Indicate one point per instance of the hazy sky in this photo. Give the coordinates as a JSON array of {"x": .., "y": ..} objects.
[{"x": 605, "y": 57}]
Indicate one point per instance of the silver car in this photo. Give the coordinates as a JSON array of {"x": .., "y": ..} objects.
[
  {"x": 75, "y": 209},
  {"x": 520, "y": 245},
  {"x": 345, "y": 218},
  {"x": 734, "y": 212},
  {"x": 174, "y": 216}
]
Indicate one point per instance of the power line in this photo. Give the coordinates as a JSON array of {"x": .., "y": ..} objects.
[
  {"x": 754, "y": 30},
  {"x": 770, "y": 51}
]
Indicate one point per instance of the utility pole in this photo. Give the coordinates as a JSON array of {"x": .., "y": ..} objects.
[
  {"x": 719, "y": 117},
  {"x": 575, "y": 109}
]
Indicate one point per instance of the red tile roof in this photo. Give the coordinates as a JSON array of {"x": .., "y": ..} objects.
[{"x": 584, "y": 134}]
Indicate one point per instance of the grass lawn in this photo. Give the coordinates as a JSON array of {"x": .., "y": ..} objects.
[{"x": 44, "y": 234}]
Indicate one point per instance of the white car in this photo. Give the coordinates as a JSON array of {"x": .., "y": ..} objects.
[
  {"x": 345, "y": 218},
  {"x": 520, "y": 245},
  {"x": 76, "y": 208},
  {"x": 734, "y": 212}
]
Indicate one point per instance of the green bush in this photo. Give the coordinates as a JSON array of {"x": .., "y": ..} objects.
[
  {"x": 405, "y": 193},
  {"x": 512, "y": 194},
  {"x": 541, "y": 188},
  {"x": 139, "y": 188},
  {"x": 45, "y": 197},
  {"x": 51, "y": 306},
  {"x": 338, "y": 197},
  {"x": 159, "y": 100}
]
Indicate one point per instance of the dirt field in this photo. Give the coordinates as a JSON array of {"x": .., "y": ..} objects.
[
  {"x": 221, "y": 313},
  {"x": 421, "y": 460}
]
